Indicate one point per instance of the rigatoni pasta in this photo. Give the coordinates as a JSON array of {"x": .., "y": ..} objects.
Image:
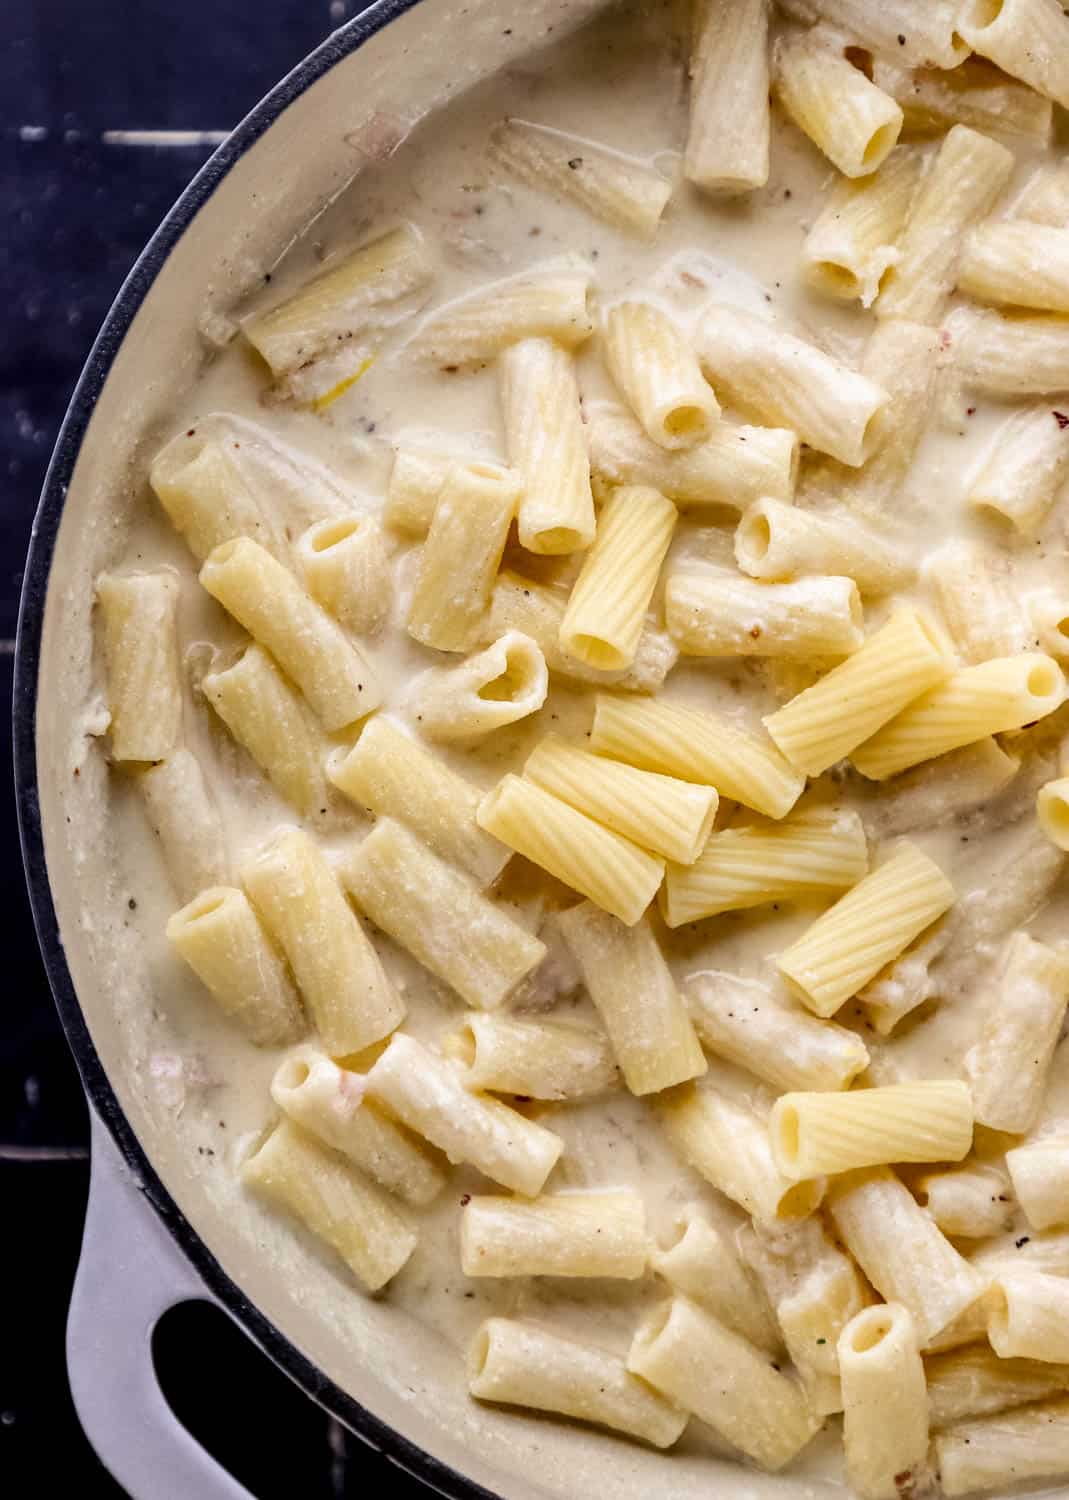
[
  {"x": 844, "y": 114},
  {"x": 345, "y": 568},
  {"x": 1024, "y": 468},
  {"x": 139, "y": 634},
  {"x": 885, "y": 1402},
  {"x": 557, "y": 1234},
  {"x": 185, "y": 819},
  {"x": 776, "y": 541},
  {"x": 548, "y": 301},
  {"x": 1017, "y": 265},
  {"x": 728, "y": 134},
  {"x": 713, "y": 613},
  {"x": 1026, "y": 38},
  {"x": 854, "y": 239},
  {"x": 533, "y": 1059},
  {"x": 659, "y": 374},
  {"x": 496, "y": 687},
  {"x": 817, "y": 1133},
  {"x": 698, "y": 1260}
]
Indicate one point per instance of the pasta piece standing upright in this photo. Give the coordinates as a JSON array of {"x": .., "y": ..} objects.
[
  {"x": 885, "y": 1402},
  {"x": 728, "y": 136},
  {"x": 1028, "y": 39},
  {"x": 633, "y": 991},
  {"x": 499, "y": 686},
  {"x": 614, "y": 188},
  {"x": 544, "y": 433},
  {"x": 658, "y": 372},
  {"x": 138, "y": 613},
  {"x": 846, "y": 116}
]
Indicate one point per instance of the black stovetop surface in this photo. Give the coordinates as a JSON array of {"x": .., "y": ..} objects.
[{"x": 103, "y": 108}]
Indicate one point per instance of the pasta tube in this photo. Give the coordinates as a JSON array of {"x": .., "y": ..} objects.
[
  {"x": 1025, "y": 354},
  {"x": 537, "y": 610},
  {"x": 336, "y": 1203},
  {"x": 814, "y": 853},
  {"x": 1044, "y": 199},
  {"x": 852, "y": 702},
  {"x": 854, "y": 123},
  {"x": 973, "y": 93},
  {"x": 759, "y": 1411},
  {"x": 696, "y": 746},
  {"x": 615, "y": 188},
  {"x": 558, "y": 1234},
  {"x": 777, "y": 378},
  {"x": 551, "y": 1060},
  {"x": 940, "y": 789},
  {"x": 607, "y": 606},
  {"x": 659, "y": 813},
  {"x": 439, "y": 916},
  {"x": 206, "y": 496},
  {"x": 184, "y": 818},
  {"x": 549, "y": 301},
  {"x": 308, "y": 645},
  {"x": 658, "y": 372},
  {"x": 633, "y": 991},
  {"x": 969, "y": 705},
  {"x": 329, "y": 1103},
  {"x": 1039, "y": 1171},
  {"x": 218, "y": 936},
  {"x": 1028, "y": 1316},
  {"x": 697, "y": 1260},
  {"x": 415, "y": 486},
  {"x": 868, "y": 927},
  {"x": 138, "y": 620},
  {"x": 727, "y": 1144},
  {"x": 266, "y": 716},
  {"x": 728, "y": 134},
  {"x": 324, "y": 336},
  {"x": 885, "y": 1402},
  {"x": 1017, "y": 265},
  {"x": 775, "y": 541},
  {"x": 1007, "y": 1067},
  {"x": 903, "y": 1254},
  {"x": 461, "y": 556},
  {"x": 544, "y": 436},
  {"x": 960, "y": 188},
  {"x": 974, "y": 1382},
  {"x": 614, "y": 873},
  {"x": 391, "y": 774},
  {"x": 979, "y": 612},
  {"x": 711, "y": 613},
  {"x": 817, "y": 1133},
  {"x": 921, "y": 33},
  {"x": 427, "y": 1094},
  {"x": 346, "y": 570},
  {"x": 496, "y": 687},
  {"x": 519, "y": 1364},
  {"x": 1025, "y": 466},
  {"x": 854, "y": 238},
  {"x": 743, "y": 1021},
  {"x": 733, "y": 466},
  {"x": 337, "y": 969},
  {"x": 1026, "y": 38},
  {"x": 993, "y": 1452},
  {"x": 970, "y": 1203}
]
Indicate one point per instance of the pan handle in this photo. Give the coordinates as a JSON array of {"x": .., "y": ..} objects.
[{"x": 130, "y": 1272}]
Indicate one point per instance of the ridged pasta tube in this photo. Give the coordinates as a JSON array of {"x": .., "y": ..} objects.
[
  {"x": 270, "y": 719},
  {"x": 658, "y": 372},
  {"x": 698, "y": 1260},
  {"x": 1022, "y": 354},
  {"x": 727, "y": 1144},
  {"x": 728, "y": 132},
  {"x": 461, "y": 556},
  {"x": 308, "y": 645},
  {"x": 975, "y": 1382},
  {"x": 743, "y": 1021},
  {"x": 1025, "y": 465},
  {"x": 779, "y": 379},
  {"x": 733, "y": 466},
  {"x": 552, "y": 1060},
  {"x": 959, "y": 189},
  {"x": 185, "y": 819},
  {"x": 817, "y": 1133},
  {"x": 868, "y": 927},
  {"x": 427, "y": 1094},
  {"x": 1039, "y": 1171},
  {"x": 905, "y": 1257},
  {"x": 974, "y": 93},
  {"x": 219, "y": 937},
  {"x": 520, "y": 1364},
  {"x": 814, "y": 853},
  {"x": 846, "y": 707},
  {"x": 557, "y": 1234},
  {"x": 391, "y": 774},
  {"x": 1028, "y": 39},
  {"x": 1007, "y": 1066},
  {"x": 920, "y": 33},
  {"x": 206, "y": 496},
  {"x": 940, "y": 789},
  {"x": 351, "y": 1215},
  {"x": 549, "y": 301},
  {"x": 633, "y": 991},
  {"x": 614, "y": 188},
  {"x": 339, "y": 973},
  {"x": 1028, "y": 1316},
  {"x": 981, "y": 614},
  {"x": 659, "y": 813},
  {"x": 496, "y": 687},
  {"x": 774, "y": 541},
  {"x": 330, "y": 1103},
  {"x": 607, "y": 606},
  {"x": 346, "y": 569},
  {"x": 415, "y": 483},
  {"x": 1044, "y": 199},
  {"x": 139, "y": 631},
  {"x": 989, "y": 698},
  {"x": 854, "y": 238},
  {"x": 546, "y": 446},
  {"x": 439, "y": 915},
  {"x": 885, "y": 1402},
  {"x": 713, "y": 613},
  {"x": 613, "y": 872},
  {"x": 854, "y": 123},
  {"x": 696, "y": 746},
  {"x": 992, "y": 1452},
  {"x": 1017, "y": 265},
  {"x": 760, "y": 1411}
]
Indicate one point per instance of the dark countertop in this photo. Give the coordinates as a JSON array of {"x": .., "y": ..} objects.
[{"x": 80, "y": 198}]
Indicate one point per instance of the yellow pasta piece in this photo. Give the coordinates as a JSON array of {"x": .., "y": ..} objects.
[
  {"x": 854, "y": 239},
  {"x": 776, "y": 541},
  {"x": 138, "y": 615},
  {"x": 817, "y": 1133},
  {"x": 852, "y": 121},
  {"x": 346, "y": 569},
  {"x": 659, "y": 374}
]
